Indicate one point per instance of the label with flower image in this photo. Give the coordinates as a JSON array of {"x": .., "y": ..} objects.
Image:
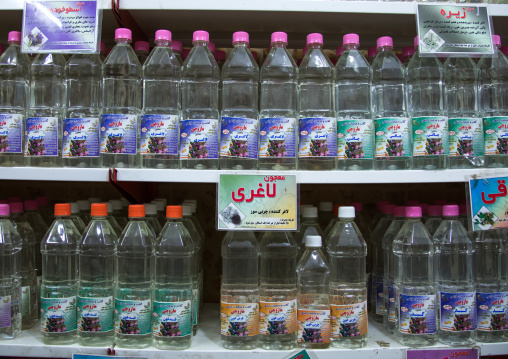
[
  {"x": 5, "y": 311},
  {"x": 81, "y": 137},
  {"x": 133, "y": 317},
  {"x": 392, "y": 308},
  {"x": 277, "y": 137},
  {"x": 172, "y": 319},
  {"x": 119, "y": 134},
  {"x": 199, "y": 139},
  {"x": 11, "y": 129},
  {"x": 95, "y": 314},
  {"x": 458, "y": 311},
  {"x": 41, "y": 136},
  {"x": 349, "y": 320},
  {"x": 430, "y": 136},
  {"x": 417, "y": 314},
  {"x": 159, "y": 135},
  {"x": 58, "y": 315},
  {"x": 495, "y": 135},
  {"x": 313, "y": 326},
  {"x": 392, "y": 137},
  {"x": 277, "y": 317},
  {"x": 466, "y": 136},
  {"x": 355, "y": 139},
  {"x": 318, "y": 137},
  {"x": 239, "y": 319},
  {"x": 492, "y": 311},
  {"x": 239, "y": 137}
]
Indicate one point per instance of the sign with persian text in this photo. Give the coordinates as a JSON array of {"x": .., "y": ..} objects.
[{"x": 489, "y": 203}]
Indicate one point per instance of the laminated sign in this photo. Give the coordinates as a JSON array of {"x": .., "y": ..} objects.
[{"x": 489, "y": 203}]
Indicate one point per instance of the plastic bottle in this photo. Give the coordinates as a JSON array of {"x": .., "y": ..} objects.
[
  {"x": 347, "y": 253},
  {"x": 325, "y": 213},
  {"x": 40, "y": 228},
  {"x": 364, "y": 229},
  {"x": 76, "y": 219},
  {"x": 330, "y": 224},
  {"x": 317, "y": 124},
  {"x": 416, "y": 294},
  {"x": 161, "y": 114},
  {"x": 309, "y": 226},
  {"x": 435, "y": 218},
  {"x": 160, "y": 212},
  {"x": 371, "y": 54},
  {"x": 239, "y": 291},
  {"x": 176, "y": 46},
  {"x": 389, "y": 109},
  {"x": 240, "y": 116},
  {"x": 456, "y": 280},
  {"x": 355, "y": 128},
  {"x": 172, "y": 293},
  {"x": 121, "y": 93},
  {"x": 142, "y": 50},
  {"x": 151, "y": 219},
  {"x": 194, "y": 218},
  {"x": 15, "y": 80},
  {"x": 97, "y": 252},
  {"x": 59, "y": 286},
  {"x": 118, "y": 213},
  {"x": 84, "y": 211},
  {"x": 199, "y": 127},
  {"x": 277, "y": 290},
  {"x": 407, "y": 54},
  {"x": 278, "y": 107},
  {"x": 378, "y": 215},
  {"x": 133, "y": 297},
  {"x": 113, "y": 222}
]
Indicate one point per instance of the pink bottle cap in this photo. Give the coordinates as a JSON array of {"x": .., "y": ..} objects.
[
  {"x": 42, "y": 201},
  {"x": 373, "y": 52},
  {"x": 435, "y": 210},
  {"x": 384, "y": 41},
  {"x": 200, "y": 36},
  {"x": 141, "y": 46},
  {"x": 388, "y": 208},
  {"x": 14, "y": 36},
  {"x": 314, "y": 38},
  {"x": 462, "y": 209},
  {"x": 380, "y": 204},
  {"x": 413, "y": 203},
  {"x": 103, "y": 46},
  {"x": 14, "y": 199},
  {"x": 211, "y": 46},
  {"x": 496, "y": 40},
  {"x": 340, "y": 51},
  {"x": 4, "y": 209},
  {"x": 504, "y": 50},
  {"x": 279, "y": 36},
  {"x": 185, "y": 53},
  {"x": 163, "y": 35},
  {"x": 255, "y": 55},
  {"x": 351, "y": 39},
  {"x": 399, "y": 211},
  {"x": 358, "y": 206},
  {"x": 413, "y": 212},
  {"x": 408, "y": 51},
  {"x": 240, "y": 36},
  {"x": 176, "y": 46},
  {"x": 416, "y": 41},
  {"x": 425, "y": 208},
  {"x": 122, "y": 33},
  {"x": 31, "y": 205},
  {"x": 451, "y": 210},
  {"x": 16, "y": 207},
  {"x": 220, "y": 55}
]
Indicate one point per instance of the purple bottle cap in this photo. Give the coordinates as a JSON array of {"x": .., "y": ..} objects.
[
  {"x": 31, "y": 205},
  {"x": 413, "y": 212},
  {"x": 4, "y": 209},
  {"x": 399, "y": 211},
  {"x": 176, "y": 46},
  {"x": 201, "y": 35},
  {"x": 435, "y": 210},
  {"x": 408, "y": 51},
  {"x": 14, "y": 36},
  {"x": 351, "y": 39},
  {"x": 373, "y": 51},
  {"x": 388, "y": 209},
  {"x": 340, "y": 51},
  {"x": 279, "y": 36},
  {"x": 496, "y": 40},
  {"x": 163, "y": 35},
  {"x": 450, "y": 210},
  {"x": 16, "y": 207},
  {"x": 314, "y": 38},
  {"x": 141, "y": 46},
  {"x": 384, "y": 41},
  {"x": 122, "y": 33},
  {"x": 240, "y": 36}
]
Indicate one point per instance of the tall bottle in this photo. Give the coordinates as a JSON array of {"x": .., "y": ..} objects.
[
  {"x": 309, "y": 226},
  {"x": 435, "y": 218},
  {"x": 121, "y": 98},
  {"x": 355, "y": 128},
  {"x": 40, "y": 228},
  {"x": 78, "y": 222},
  {"x": 278, "y": 107},
  {"x": 84, "y": 211},
  {"x": 389, "y": 109},
  {"x": 151, "y": 219},
  {"x": 317, "y": 124},
  {"x": 240, "y": 116},
  {"x": 239, "y": 299},
  {"x": 161, "y": 114},
  {"x": 112, "y": 220},
  {"x": 199, "y": 127},
  {"x": 118, "y": 213}
]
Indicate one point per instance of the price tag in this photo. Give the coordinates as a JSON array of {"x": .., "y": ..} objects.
[
  {"x": 489, "y": 203},
  {"x": 300, "y": 355},
  {"x": 443, "y": 353}
]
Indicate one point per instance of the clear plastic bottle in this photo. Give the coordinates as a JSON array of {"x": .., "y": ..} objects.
[
  {"x": 112, "y": 220},
  {"x": 325, "y": 213},
  {"x": 389, "y": 109},
  {"x": 309, "y": 226},
  {"x": 355, "y": 127},
  {"x": 59, "y": 287},
  {"x": 277, "y": 291},
  {"x": 317, "y": 127},
  {"x": 133, "y": 297},
  {"x": 161, "y": 114},
  {"x": 278, "y": 107},
  {"x": 194, "y": 218},
  {"x": 176, "y": 46},
  {"x": 142, "y": 50},
  {"x": 151, "y": 219},
  {"x": 78, "y": 222},
  {"x": 40, "y": 228},
  {"x": 84, "y": 211},
  {"x": 14, "y": 86},
  {"x": 435, "y": 218},
  {"x": 240, "y": 116},
  {"x": 121, "y": 98},
  {"x": 239, "y": 291},
  {"x": 96, "y": 251},
  {"x": 118, "y": 213},
  {"x": 364, "y": 229},
  {"x": 456, "y": 280},
  {"x": 347, "y": 253},
  {"x": 199, "y": 127}
]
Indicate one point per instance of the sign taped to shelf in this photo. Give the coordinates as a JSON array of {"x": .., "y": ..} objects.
[
  {"x": 257, "y": 202},
  {"x": 302, "y": 354},
  {"x": 70, "y": 26},
  {"x": 90, "y": 356},
  {"x": 488, "y": 203},
  {"x": 443, "y": 353},
  {"x": 446, "y": 30}
]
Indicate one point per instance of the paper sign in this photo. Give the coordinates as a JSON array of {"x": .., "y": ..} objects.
[
  {"x": 300, "y": 355},
  {"x": 71, "y": 27},
  {"x": 257, "y": 202},
  {"x": 442, "y": 354},
  {"x": 489, "y": 203},
  {"x": 454, "y": 29}
]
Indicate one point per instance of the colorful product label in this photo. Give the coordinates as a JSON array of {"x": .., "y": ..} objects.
[
  {"x": 492, "y": 311},
  {"x": 349, "y": 320},
  {"x": 58, "y": 315},
  {"x": 133, "y": 317},
  {"x": 277, "y": 317},
  {"x": 95, "y": 314},
  {"x": 417, "y": 314},
  {"x": 392, "y": 137},
  {"x": 318, "y": 137},
  {"x": 199, "y": 139},
  {"x": 41, "y": 136},
  {"x": 355, "y": 139},
  {"x": 392, "y": 308},
  {"x": 277, "y": 137},
  {"x": 495, "y": 136},
  {"x": 466, "y": 136},
  {"x": 172, "y": 319},
  {"x": 5, "y": 311},
  {"x": 11, "y": 129},
  {"x": 239, "y": 319},
  {"x": 458, "y": 311},
  {"x": 195, "y": 306},
  {"x": 119, "y": 134},
  {"x": 380, "y": 302},
  {"x": 430, "y": 136},
  {"x": 81, "y": 137},
  {"x": 159, "y": 135},
  {"x": 313, "y": 326},
  {"x": 25, "y": 300},
  {"x": 239, "y": 137}
]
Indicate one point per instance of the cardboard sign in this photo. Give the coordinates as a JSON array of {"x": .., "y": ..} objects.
[{"x": 489, "y": 203}]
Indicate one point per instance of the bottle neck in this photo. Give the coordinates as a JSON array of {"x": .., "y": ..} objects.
[
  {"x": 451, "y": 218},
  {"x": 4, "y": 217},
  {"x": 314, "y": 45},
  {"x": 241, "y": 44},
  {"x": 200, "y": 43},
  {"x": 347, "y": 220},
  {"x": 15, "y": 43},
  {"x": 163, "y": 43},
  {"x": 98, "y": 218},
  {"x": 278, "y": 44},
  {"x": 17, "y": 214},
  {"x": 351, "y": 47},
  {"x": 61, "y": 217},
  {"x": 136, "y": 219},
  {"x": 385, "y": 49},
  {"x": 123, "y": 41},
  {"x": 414, "y": 219},
  {"x": 173, "y": 220}
]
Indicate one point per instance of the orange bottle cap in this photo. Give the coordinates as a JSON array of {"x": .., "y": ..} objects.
[
  {"x": 62, "y": 209},
  {"x": 136, "y": 210},
  {"x": 174, "y": 211},
  {"x": 99, "y": 210}
]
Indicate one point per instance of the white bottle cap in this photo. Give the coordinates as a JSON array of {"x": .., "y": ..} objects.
[
  {"x": 347, "y": 212},
  {"x": 159, "y": 205},
  {"x": 84, "y": 205},
  {"x": 117, "y": 204},
  {"x": 163, "y": 200},
  {"x": 192, "y": 204},
  {"x": 150, "y": 209},
  {"x": 326, "y": 206},
  {"x": 186, "y": 210},
  {"x": 94, "y": 200},
  {"x": 74, "y": 207},
  {"x": 313, "y": 241},
  {"x": 110, "y": 207},
  {"x": 309, "y": 212}
]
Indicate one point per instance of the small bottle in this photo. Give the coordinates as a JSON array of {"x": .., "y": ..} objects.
[
  {"x": 84, "y": 211},
  {"x": 118, "y": 213},
  {"x": 407, "y": 54},
  {"x": 309, "y": 226},
  {"x": 112, "y": 221},
  {"x": 371, "y": 54},
  {"x": 151, "y": 219},
  {"x": 40, "y": 228},
  {"x": 142, "y": 50},
  {"x": 78, "y": 222},
  {"x": 325, "y": 214},
  {"x": 176, "y": 46},
  {"x": 435, "y": 218}
]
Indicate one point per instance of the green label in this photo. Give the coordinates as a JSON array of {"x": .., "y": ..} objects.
[
  {"x": 95, "y": 314},
  {"x": 195, "y": 306},
  {"x": 133, "y": 317},
  {"x": 495, "y": 135},
  {"x": 466, "y": 136},
  {"x": 430, "y": 136},
  {"x": 58, "y": 315},
  {"x": 392, "y": 137},
  {"x": 172, "y": 319},
  {"x": 355, "y": 139}
]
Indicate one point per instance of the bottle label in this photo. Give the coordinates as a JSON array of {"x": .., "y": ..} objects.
[
  {"x": 41, "y": 136},
  {"x": 318, "y": 137},
  {"x": 195, "y": 306},
  {"x": 95, "y": 314},
  {"x": 417, "y": 314},
  {"x": 25, "y": 300},
  {"x": 239, "y": 137},
  {"x": 119, "y": 134},
  {"x": 458, "y": 311},
  {"x": 277, "y": 137},
  {"x": 5, "y": 311},
  {"x": 277, "y": 317},
  {"x": 172, "y": 319},
  {"x": 392, "y": 137},
  {"x": 133, "y": 317},
  {"x": 495, "y": 135},
  {"x": 392, "y": 308},
  {"x": 430, "y": 136},
  {"x": 355, "y": 139},
  {"x": 466, "y": 136},
  {"x": 492, "y": 311},
  {"x": 58, "y": 315},
  {"x": 159, "y": 135},
  {"x": 349, "y": 320},
  {"x": 80, "y": 137},
  {"x": 11, "y": 128},
  {"x": 199, "y": 139},
  {"x": 239, "y": 319},
  {"x": 313, "y": 326},
  {"x": 380, "y": 304}
]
